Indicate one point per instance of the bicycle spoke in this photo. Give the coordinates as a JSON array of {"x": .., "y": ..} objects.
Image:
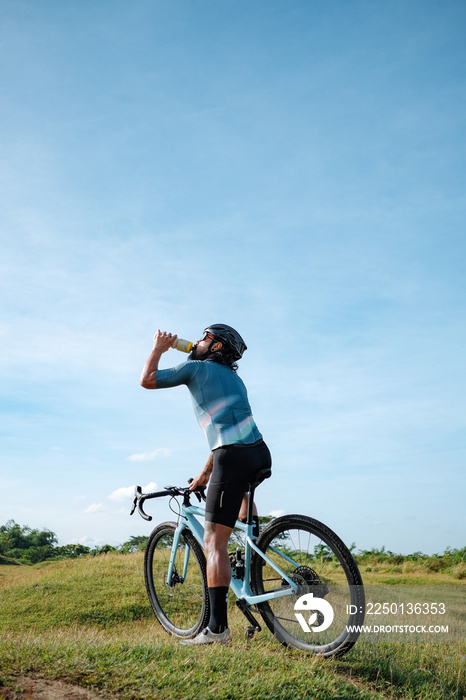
[
  {"x": 182, "y": 605},
  {"x": 318, "y": 563}
]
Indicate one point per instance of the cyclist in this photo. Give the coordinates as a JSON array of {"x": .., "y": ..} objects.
[{"x": 237, "y": 450}]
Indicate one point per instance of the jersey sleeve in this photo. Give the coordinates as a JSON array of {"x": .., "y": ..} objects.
[{"x": 175, "y": 376}]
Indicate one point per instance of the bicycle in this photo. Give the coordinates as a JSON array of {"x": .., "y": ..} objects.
[{"x": 296, "y": 567}]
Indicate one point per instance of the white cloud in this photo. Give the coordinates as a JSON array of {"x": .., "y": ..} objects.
[
  {"x": 277, "y": 513},
  {"x": 125, "y": 493},
  {"x": 87, "y": 541},
  {"x": 122, "y": 494},
  {"x": 160, "y": 452},
  {"x": 95, "y": 508}
]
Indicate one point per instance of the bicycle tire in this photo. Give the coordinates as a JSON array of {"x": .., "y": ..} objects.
[
  {"x": 325, "y": 569},
  {"x": 182, "y": 608}
]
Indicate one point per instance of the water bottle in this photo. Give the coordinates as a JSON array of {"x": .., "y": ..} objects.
[
  {"x": 182, "y": 345},
  {"x": 239, "y": 565}
]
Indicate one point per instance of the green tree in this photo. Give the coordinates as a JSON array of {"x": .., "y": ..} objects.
[
  {"x": 136, "y": 543},
  {"x": 27, "y": 544},
  {"x": 105, "y": 549},
  {"x": 72, "y": 551}
]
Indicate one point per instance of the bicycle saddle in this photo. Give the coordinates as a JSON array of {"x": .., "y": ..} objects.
[{"x": 261, "y": 476}]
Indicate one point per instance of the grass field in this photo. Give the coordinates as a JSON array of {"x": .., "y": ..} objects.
[{"x": 87, "y": 621}]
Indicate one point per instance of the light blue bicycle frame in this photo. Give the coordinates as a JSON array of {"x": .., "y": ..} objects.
[{"x": 241, "y": 588}]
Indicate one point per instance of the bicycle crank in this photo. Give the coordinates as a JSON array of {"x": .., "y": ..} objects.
[{"x": 255, "y": 626}]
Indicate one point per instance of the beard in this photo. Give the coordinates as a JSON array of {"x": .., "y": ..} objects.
[{"x": 195, "y": 354}]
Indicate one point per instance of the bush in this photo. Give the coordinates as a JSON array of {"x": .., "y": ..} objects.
[
  {"x": 26, "y": 544},
  {"x": 459, "y": 571},
  {"x": 71, "y": 551}
]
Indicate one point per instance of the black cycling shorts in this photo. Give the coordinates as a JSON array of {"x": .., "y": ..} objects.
[{"x": 235, "y": 466}]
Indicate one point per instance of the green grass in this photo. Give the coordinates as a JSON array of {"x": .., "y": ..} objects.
[{"x": 87, "y": 621}]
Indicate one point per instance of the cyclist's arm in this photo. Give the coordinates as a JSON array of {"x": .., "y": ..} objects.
[
  {"x": 202, "y": 479},
  {"x": 162, "y": 342}
]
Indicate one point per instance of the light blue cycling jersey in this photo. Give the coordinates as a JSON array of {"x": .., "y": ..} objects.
[{"x": 219, "y": 398}]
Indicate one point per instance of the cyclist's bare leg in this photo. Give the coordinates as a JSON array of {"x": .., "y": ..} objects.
[{"x": 216, "y": 538}]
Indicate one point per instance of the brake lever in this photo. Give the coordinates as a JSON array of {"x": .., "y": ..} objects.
[
  {"x": 137, "y": 496},
  {"x": 137, "y": 503},
  {"x": 200, "y": 491}
]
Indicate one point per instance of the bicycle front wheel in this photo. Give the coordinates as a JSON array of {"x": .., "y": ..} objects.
[
  {"x": 180, "y": 604},
  {"x": 323, "y": 614}
]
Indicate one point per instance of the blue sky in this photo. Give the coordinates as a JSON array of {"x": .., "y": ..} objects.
[{"x": 294, "y": 169}]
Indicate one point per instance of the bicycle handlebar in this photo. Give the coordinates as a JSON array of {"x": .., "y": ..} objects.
[{"x": 140, "y": 497}]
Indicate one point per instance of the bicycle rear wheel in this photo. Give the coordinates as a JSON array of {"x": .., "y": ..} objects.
[
  {"x": 181, "y": 605},
  {"x": 315, "y": 558}
]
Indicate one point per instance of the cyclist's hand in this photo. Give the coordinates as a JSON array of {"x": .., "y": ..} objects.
[
  {"x": 201, "y": 479},
  {"x": 163, "y": 341}
]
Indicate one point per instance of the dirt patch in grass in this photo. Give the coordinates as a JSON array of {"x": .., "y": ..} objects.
[{"x": 29, "y": 688}]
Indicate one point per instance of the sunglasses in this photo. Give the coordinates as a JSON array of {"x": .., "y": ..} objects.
[{"x": 207, "y": 336}]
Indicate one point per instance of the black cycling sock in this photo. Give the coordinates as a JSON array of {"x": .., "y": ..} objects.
[
  {"x": 218, "y": 598},
  {"x": 255, "y": 525}
]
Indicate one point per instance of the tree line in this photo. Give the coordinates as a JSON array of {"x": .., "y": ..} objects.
[{"x": 26, "y": 545}]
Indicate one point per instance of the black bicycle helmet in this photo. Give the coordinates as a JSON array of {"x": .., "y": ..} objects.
[{"x": 229, "y": 337}]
